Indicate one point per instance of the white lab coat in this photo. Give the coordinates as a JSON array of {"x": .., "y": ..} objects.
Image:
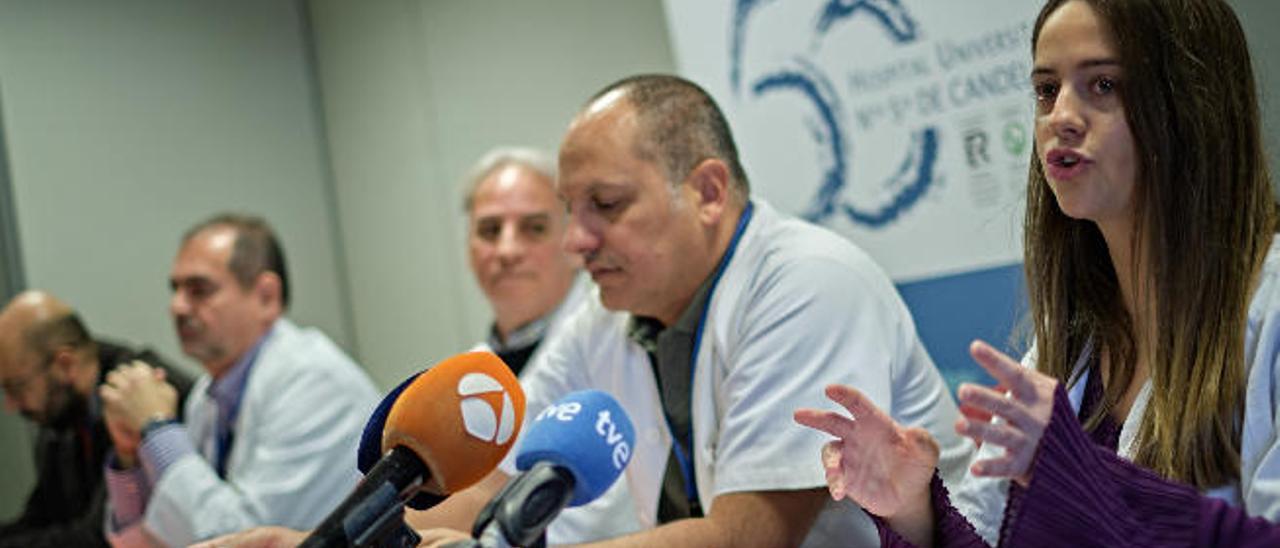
[
  {"x": 798, "y": 308},
  {"x": 294, "y": 454}
]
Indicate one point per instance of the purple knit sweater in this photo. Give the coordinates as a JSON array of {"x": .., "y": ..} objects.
[{"x": 1083, "y": 494}]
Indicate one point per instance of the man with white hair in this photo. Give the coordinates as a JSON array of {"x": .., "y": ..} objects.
[
  {"x": 515, "y": 225},
  {"x": 515, "y": 231}
]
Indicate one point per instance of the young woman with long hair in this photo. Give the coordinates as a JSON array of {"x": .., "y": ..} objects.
[{"x": 1145, "y": 413}]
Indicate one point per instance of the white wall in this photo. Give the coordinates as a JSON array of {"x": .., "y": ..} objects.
[
  {"x": 413, "y": 93},
  {"x": 126, "y": 122},
  {"x": 1260, "y": 19}
]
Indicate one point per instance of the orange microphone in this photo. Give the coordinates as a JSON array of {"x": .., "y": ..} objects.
[
  {"x": 441, "y": 431},
  {"x": 460, "y": 418}
]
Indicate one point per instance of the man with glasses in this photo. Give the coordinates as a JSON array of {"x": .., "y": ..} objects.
[{"x": 50, "y": 369}]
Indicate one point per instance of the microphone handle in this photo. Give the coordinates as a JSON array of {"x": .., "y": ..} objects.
[
  {"x": 490, "y": 511},
  {"x": 373, "y": 508},
  {"x": 526, "y": 507}
]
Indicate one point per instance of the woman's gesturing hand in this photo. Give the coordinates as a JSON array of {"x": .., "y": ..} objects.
[
  {"x": 877, "y": 463},
  {"x": 1023, "y": 401}
]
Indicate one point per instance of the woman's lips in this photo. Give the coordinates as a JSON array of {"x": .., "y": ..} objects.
[{"x": 1065, "y": 164}]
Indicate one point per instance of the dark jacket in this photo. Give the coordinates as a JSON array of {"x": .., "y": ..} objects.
[{"x": 66, "y": 506}]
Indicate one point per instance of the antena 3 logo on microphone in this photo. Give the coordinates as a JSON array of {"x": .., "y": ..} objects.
[
  {"x": 479, "y": 417},
  {"x": 461, "y": 417}
]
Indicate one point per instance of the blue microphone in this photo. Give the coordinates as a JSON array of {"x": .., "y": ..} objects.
[
  {"x": 572, "y": 452},
  {"x": 586, "y": 432}
]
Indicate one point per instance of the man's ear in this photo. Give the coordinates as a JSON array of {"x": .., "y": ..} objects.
[
  {"x": 710, "y": 183},
  {"x": 63, "y": 365},
  {"x": 268, "y": 290}
]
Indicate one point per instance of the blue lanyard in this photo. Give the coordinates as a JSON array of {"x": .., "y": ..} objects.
[{"x": 685, "y": 458}]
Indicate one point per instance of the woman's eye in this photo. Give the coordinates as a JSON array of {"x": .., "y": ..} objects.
[
  {"x": 1104, "y": 85},
  {"x": 1046, "y": 92}
]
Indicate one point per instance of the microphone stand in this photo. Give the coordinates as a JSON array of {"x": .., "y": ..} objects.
[
  {"x": 518, "y": 516},
  {"x": 373, "y": 514}
]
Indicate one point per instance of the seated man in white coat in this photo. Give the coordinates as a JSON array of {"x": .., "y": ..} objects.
[
  {"x": 271, "y": 427},
  {"x": 515, "y": 224}
]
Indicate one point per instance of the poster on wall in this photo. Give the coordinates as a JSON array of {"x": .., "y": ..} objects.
[{"x": 904, "y": 125}]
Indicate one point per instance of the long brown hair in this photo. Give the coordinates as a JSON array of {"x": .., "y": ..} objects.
[{"x": 1204, "y": 219}]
